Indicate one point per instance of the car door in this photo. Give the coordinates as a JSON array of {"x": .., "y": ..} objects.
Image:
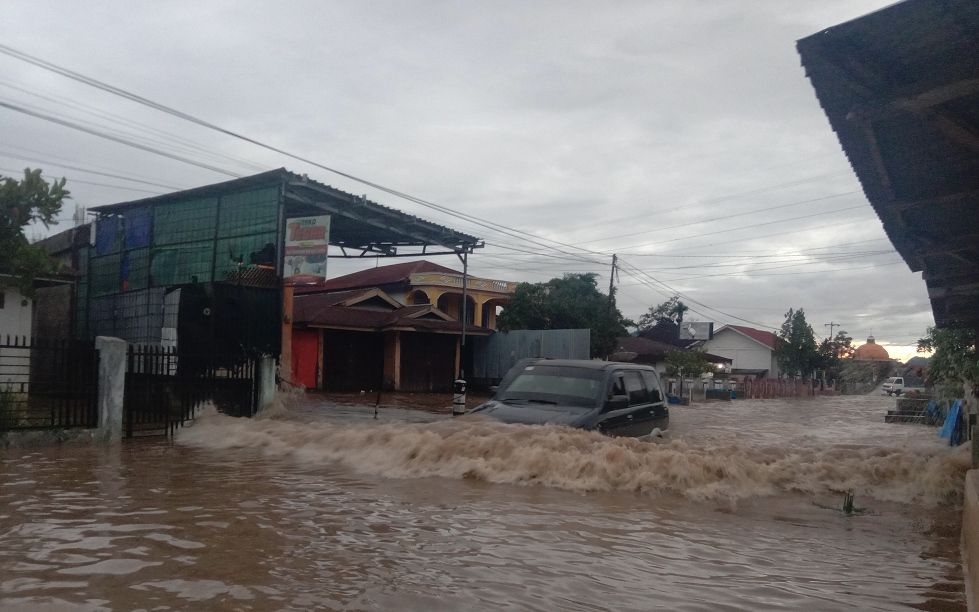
[
  {"x": 634, "y": 420},
  {"x": 657, "y": 396}
]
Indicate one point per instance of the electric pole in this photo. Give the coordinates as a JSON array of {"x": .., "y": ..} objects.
[
  {"x": 611, "y": 282},
  {"x": 831, "y": 325}
]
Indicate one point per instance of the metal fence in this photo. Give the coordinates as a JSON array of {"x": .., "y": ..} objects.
[
  {"x": 166, "y": 387},
  {"x": 494, "y": 355},
  {"x": 48, "y": 384}
]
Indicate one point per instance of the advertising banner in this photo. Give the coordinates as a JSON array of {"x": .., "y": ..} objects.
[{"x": 307, "y": 244}]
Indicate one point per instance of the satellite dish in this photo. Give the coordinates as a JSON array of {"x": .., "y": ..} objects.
[{"x": 692, "y": 331}]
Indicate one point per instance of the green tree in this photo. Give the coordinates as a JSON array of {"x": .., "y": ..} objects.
[
  {"x": 954, "y": 359},
  {"x": 691, "y": 363},
  {"x": 833, "y": 350},
  {"x": 29, "y": 200},
  {"x": 832, "y": 354},
  {"x": 670, "y": 311},
  {"x": 797, "y": 352},
  {"x": 571, "y": 302}
]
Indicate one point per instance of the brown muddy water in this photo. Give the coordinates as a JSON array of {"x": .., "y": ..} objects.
[{"x": 323, "y": 507}]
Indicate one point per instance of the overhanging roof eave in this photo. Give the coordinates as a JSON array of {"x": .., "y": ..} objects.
[{"x": 401, "y": 228}]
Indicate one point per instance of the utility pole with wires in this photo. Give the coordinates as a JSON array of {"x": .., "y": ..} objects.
[
  {"x": 611, "y": 282},
  {"x": 831, "y": 325}
]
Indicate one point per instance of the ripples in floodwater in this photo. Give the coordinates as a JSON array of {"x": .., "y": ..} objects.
[{"x": 736, "y": 510}]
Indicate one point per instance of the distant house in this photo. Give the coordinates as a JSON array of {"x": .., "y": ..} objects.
[
  {"x": 637, "y": 349},
  {"x": 751, "y": 351}
]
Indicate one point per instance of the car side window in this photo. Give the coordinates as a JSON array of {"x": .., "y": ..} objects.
[
  {"x": 635, "y": 388},
  {"x": 652, "y": 386},
  {"x": 617, "y": 386}
]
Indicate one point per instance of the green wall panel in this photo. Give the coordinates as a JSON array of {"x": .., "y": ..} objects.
[
  {"x": 249, "y": 212},
  {"x": 184, "y": 221},
  {"x": 104, "y": 273},
  {"x": 182, "y": 264},
  {"x": 136, "y": 269}
]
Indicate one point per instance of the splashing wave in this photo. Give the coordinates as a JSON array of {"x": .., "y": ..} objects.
[{"x": 587, "y": 461}]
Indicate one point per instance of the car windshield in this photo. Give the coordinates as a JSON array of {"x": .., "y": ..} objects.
[{"x": 555, "y": 385}]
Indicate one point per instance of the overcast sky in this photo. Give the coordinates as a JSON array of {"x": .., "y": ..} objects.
[{"x": 683, "y": 136}]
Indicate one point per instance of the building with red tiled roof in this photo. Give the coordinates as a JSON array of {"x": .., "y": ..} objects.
[
  {"x": 767, "y": 338},
  {"x": 385, "y": 277},
  {"x": 397, "y": 327},
  {"x": 637, "y": 349},
  {"x": 751, "y": 351},
  {"x": 362, "y": 339},
  {"x": 425, "y": 282}
]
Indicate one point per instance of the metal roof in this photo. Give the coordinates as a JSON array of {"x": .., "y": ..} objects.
[
  {"x": 399, "y": 273},
  {"x": 765, "y": 338},
  {"x": 360, "y": 227},
  {"x": 900, "y": 87}
]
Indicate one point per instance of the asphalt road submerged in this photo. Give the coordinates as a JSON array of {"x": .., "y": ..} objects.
[{"x": 315, "y": 505}]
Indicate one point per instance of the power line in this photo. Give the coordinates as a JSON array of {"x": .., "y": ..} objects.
[
  {"x": 808, "y": 260},
  {"x": 690, "y": 299},
  {"x": 10, "y": 51},
  {"x": 500, "y": 228},
  {"x": 721, "y": 218},
  {"x": 107, "y": 136},
  {"x": 83, "y": 182},
  {"x": 729, "y": 230},
  {"x": 754, "y": 274},
  {"x": 726, "y": 197},
  {"x": 21, "y": 150},
  {"x": 26, "y": 158},
  {"x": 175, "y": 140},
  {"x": 807, "y": 229},
  {"x": 754, "y": 254}
]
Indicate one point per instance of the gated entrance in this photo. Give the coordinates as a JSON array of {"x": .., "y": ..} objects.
[
  {"x": 165, "y": 388},
  {"x": 48, "y": 384}
]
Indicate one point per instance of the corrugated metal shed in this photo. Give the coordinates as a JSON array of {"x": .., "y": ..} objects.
[
  {"x": 900, "y": 87},
  {"x": 494, "y": 355}
]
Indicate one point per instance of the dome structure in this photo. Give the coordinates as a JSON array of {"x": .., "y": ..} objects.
[{"x": 871, "y": 351}]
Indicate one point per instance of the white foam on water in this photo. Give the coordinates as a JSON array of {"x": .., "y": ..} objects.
[{"x": 474, "y": 448}]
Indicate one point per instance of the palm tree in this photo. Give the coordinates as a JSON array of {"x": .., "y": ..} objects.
[{"x": 678, "y": 311}]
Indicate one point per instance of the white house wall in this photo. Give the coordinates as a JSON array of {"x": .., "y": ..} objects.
[
  {"x": 15, "y": 320},
  {"x": 15, "y": 317},
  {"x": 745, "y": 352}
]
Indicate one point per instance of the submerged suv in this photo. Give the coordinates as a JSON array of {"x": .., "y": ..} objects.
[{"x": 620, "y": 399}]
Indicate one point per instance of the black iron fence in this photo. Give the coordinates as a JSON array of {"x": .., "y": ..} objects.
[
  {"x": 48, "y": 383},
  {"x": 165, "y": 387}
]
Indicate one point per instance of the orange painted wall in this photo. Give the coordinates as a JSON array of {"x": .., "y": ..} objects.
[{"x": 305, "y": 356}]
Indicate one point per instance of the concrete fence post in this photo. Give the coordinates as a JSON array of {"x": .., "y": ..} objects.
[
  {"x": 266, "y": 381},
  {"x": 112, "y": 386}
]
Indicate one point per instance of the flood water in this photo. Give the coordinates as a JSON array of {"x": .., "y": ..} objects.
[{"x": 319, "y": 507}]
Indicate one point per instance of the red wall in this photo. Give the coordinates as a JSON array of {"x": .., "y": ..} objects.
[{"x": 305, "y": 351}]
